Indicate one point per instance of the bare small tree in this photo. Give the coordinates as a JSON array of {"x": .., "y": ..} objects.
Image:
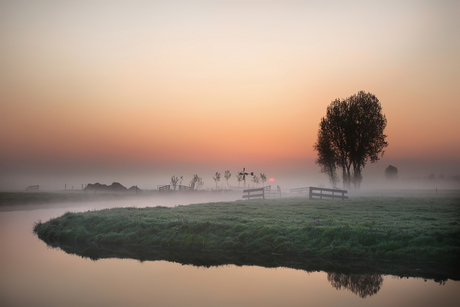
[
  {"x": 196, "y": 183},
  {"x": 216, "y": 178},
  {"x": 227, "y": 176},
  {"x": 239, "y": 178},
  {"x": 263, "y": 178},
  {"x": 192, "y": 183},
  {"x": 199, "y": 184},
  {"x": 174, "y": 181},
  {"x": 255, "y": 180}
]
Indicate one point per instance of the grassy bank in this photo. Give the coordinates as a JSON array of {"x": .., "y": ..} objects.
[
  {"x": 409, "y": 228},
  {"x": 25, "y": 198},
  {"x": 29, "y": 200}
]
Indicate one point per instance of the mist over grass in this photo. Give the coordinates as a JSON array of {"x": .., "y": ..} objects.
[
  {"x": 413, "y": 174},
  {"x": 14, "y": 201},
  {"x": 410, "y": 226}
]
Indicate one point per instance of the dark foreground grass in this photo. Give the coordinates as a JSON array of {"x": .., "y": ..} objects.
[{"x": 407, "y": 228}]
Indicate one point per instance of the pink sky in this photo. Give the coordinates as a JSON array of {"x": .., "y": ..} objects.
[{"x": 166, "y": 87}]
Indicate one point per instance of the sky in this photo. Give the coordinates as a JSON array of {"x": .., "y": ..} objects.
[{"x": 138, "y": 91}]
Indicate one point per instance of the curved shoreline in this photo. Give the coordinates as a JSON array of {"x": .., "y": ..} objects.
[{"x": 388, "y": 228}]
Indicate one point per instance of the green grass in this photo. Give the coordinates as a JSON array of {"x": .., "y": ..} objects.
[{"x": 408, "y": 228}]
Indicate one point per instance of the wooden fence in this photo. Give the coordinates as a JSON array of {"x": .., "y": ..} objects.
[
  {"x": 269, "y": 193},
  {"x": 167, "y": 188},
  {"x": 164, "y": 188},
  {"x": 265, "y": 192},
  {"x": 255, "y": 193},
  {"x": 299, "y": 190},
  {"x": 330, "y": 193}
]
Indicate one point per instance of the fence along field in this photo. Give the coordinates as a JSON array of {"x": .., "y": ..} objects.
[
  {"x": 330, "y": 193},
  {"x": 265, "y": 192}
]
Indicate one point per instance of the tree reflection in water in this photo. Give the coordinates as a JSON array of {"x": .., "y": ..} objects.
[
  {"x": 362, "y": 285},
  {"x": 361, "y": 282}
]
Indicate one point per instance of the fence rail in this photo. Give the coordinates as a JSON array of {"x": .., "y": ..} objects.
[
  {"x": 330, "y": 193},
  {"x": 164, "y": 188},
  {"x": 299, "y": 190},
  {"x": 259, "y": 193},
  {"x": 265, "y": 192}
]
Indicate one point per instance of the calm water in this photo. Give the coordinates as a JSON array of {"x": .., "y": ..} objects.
[{"x": 32, "y": 274}]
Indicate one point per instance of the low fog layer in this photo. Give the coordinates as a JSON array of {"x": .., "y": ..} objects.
[{"x": 412, "y": 174}]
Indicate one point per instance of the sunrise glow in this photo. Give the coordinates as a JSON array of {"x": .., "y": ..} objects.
[{"x": 204, "y": 87}]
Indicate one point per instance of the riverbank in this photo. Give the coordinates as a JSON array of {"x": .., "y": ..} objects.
[
  {"x": 21, "y": 200},
  {"x": 407, "y": 228}
]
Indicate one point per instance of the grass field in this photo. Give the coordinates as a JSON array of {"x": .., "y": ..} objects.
[{"x": 396, "y": 227}]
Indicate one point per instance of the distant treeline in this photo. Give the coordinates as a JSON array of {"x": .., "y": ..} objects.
[
  {"x": 432, "y": 177},
  {"x": 114, "y": 187}
]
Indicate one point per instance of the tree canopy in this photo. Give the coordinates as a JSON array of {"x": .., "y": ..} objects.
[
  {"x": 391, "y": 172},
  {"x": 350, "y": 135}
]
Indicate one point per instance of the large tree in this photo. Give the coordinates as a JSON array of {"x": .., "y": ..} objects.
[
  {"x": 326, "y": 157},
  {"x": 350, "y": 135}
]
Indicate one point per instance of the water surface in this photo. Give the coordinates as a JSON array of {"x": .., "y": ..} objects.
[{"x": 33, "y": 274}]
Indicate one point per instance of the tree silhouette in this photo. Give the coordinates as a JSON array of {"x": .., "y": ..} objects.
[
  {"x": 255, "y": 180},
  {"x": 227, "y": 176},
  {"x": 350, "y": 135},
  {"x": 391, "y": 172},
  {"x": 200, "y": 183},
  {"x": 216, "y": 178},
  {"x": 263, "y": 178},
  {"x": 362, "y": 285},
  {"x": 196, "y": 183},
  {"x": 327, "y": 159},
  {"x": 239, "y": 178},
  {"x": 174, "y": 181}
]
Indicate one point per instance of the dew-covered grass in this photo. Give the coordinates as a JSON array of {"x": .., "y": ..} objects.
[{"x": 390, "y": 227}]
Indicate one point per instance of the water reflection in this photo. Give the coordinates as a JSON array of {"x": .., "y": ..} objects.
[
  {"x": 362, "y": 285},
  {"x": 362, "y": 277},
  {"x": 32, "y": 274}
]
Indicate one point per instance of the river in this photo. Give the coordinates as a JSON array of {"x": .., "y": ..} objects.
[{"x": 33, "y": 274}]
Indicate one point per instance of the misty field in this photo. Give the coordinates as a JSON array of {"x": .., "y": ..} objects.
[{"x": 409, "y": 227}]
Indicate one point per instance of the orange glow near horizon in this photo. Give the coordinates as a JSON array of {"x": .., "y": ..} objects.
[{"x": 225, "y": 84}]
